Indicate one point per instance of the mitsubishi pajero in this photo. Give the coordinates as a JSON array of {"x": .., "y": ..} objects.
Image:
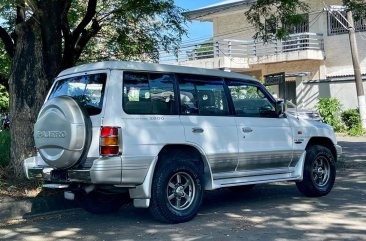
[{"x": 163, "y": 134}]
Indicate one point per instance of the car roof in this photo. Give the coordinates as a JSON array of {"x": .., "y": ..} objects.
[{"x": 142, "y": 66}]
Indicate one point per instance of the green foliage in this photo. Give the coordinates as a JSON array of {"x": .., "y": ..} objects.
[
  {"x": 330, "y": 111},
  {"x": 358, "y": 8},
  {"x": 352, "y": 120},
  {"x": 272, "y": 18},
  {"x": 4, "y": 148},
  {"x": 4, "y": 62},
  {"x": 202, "y": 51},
  {"x": 281, "y": 14},
  {"x": 4, "y": 100},
  {"x": 131, "y": 30}
]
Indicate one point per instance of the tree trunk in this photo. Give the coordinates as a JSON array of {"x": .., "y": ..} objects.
[{"x": 35, "y": 63}]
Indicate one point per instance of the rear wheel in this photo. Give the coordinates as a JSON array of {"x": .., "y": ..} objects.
[
  {"x": 100, "y": 203},
  {"x": 176, "y": 192},
  {"x": 319, "y": 172}
]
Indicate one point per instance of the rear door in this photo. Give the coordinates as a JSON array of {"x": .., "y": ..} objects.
[
  {"x": 208, "y": 125},
  {"x": 265, "y": 140},
  {"x": 150, "y": 120}
]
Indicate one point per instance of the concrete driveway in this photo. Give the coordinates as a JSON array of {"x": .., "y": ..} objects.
[{"x": 268, "y": 212}]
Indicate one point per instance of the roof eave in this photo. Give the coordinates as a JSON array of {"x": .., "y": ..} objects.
[{"x": 203, "y": 14}]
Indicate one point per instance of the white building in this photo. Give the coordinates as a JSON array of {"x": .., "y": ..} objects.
[{"x": 315, "y": 61}]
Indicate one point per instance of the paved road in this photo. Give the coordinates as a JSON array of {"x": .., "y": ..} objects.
[{"x": 268, "y": 212}]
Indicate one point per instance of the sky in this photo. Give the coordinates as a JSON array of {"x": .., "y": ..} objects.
[{"x": 197, "y": 30}]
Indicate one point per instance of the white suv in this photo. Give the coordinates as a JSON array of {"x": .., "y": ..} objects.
[{"x": 163, "y": 134}]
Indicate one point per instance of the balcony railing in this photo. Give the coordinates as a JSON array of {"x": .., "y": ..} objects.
[{"x": 243, "y": 48}]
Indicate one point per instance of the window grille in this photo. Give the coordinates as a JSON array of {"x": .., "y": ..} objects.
[{"x": 335, "y": 27}]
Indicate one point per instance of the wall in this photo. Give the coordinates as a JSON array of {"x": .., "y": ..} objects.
[{"x": 338, "y": 61}]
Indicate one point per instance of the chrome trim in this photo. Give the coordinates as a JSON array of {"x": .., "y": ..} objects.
[
  {"x": 263, "y": 176},
  {"x": 32, "y": 169},
  {"x": 249, "y": 173},
  {"x": 220, "y": 163},
  {"x": 55, "y": 186},
  {"x": 338, "y": 150},
  {"x": 248, "y": 161},
  {"x": 79, "y": 176}
]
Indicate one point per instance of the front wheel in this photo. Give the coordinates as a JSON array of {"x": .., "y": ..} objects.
[
  {"x": 319, "y": 172},
  {"x": 176, "y": 192}
]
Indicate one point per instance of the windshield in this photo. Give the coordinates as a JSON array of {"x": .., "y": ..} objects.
[{"x": 87, "y": 90}]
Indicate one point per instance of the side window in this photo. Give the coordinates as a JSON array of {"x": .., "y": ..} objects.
[
  {"x": 145, "y": 93},
  {"x": 202, "y": 95},
  {"x": 88, "y": 90},
  {"x": 250, "y": 101}
]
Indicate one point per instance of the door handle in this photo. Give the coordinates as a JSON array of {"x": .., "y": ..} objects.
[
  {"x": 247, "y": 129},
  {"x": 197, "y": 130}
]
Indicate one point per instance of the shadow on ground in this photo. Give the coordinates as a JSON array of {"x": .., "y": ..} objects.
[{"x": 268, "y": 212}]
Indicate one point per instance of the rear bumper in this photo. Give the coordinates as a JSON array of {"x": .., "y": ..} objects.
[{"x": 102, "y": 172}]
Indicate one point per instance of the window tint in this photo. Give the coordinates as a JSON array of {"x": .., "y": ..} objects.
[
  {"x": 145, "y": 93},
  {"x": 87, "y": 90},
  {"x": 250, "y": 101},
  {"x": 202, "y": 95}
]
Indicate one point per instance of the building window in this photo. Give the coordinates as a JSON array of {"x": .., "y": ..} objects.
[
  {"x": 302, "y": 27},
  {"x": 335, "y": 27}
]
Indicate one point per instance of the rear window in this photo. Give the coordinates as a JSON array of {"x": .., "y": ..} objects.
[
  {"x": 148, "y": 93},
  {"x": 87, "y": 90}
]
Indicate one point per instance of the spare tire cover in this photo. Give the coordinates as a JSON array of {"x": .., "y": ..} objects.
[{"x": 60, "y": 132}]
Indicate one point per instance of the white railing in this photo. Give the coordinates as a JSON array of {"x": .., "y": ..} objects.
[{"x": 242, "y": 48}]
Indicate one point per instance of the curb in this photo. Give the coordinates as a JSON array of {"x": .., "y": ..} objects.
[{"x": 12, "y": 208}]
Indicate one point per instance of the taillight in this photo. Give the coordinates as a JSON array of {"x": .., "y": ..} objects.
[{"x": 109, "y": 143}]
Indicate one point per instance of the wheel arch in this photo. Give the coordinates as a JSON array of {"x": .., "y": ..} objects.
[
  {"x": 323, "y": 141},
  {"x": 190, "y": 151}
]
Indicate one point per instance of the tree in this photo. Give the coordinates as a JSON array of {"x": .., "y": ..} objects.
[
  {"x": 271, "y": 18},
  {"x": 41, "y": 38},
  {"x": 284, "y": 13},
  {"x": 4, "y": 99}
]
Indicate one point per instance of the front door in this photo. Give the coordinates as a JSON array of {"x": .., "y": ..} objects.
[
  {"x": 207, "y": 122},
  {"x": 265, "y": 140}
]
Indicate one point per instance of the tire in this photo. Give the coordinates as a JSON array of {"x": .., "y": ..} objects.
[
  {"x": 319, "y": 172},
  {"x": 101, "y": 203},
  {"x": 62, "y": 133},
  {"x": 244, "y": 188},
  {"x": 171, "y": 200}
]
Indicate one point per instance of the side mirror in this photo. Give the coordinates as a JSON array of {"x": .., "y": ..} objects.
[{"x": 280, "y": 108}]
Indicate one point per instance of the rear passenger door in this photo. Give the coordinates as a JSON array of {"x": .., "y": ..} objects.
[
  {"x": 205, "y": 115},
  {"x": 150, "y": 120},
  {"x": 265, "y": 139}
]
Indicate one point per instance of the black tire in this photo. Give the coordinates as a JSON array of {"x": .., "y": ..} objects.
[
  {"x": 244, "y": 188},
  {"x": 319, "y": 172},
  {"x": 164, "y": 204},
  {"x": 101, "y": 203}
]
